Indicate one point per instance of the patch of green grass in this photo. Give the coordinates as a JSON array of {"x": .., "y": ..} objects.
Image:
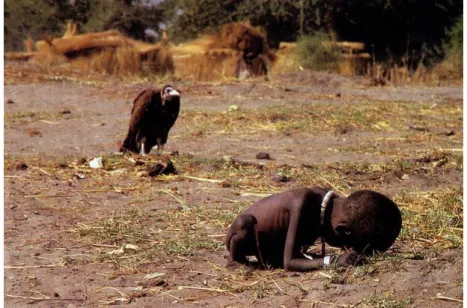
[
  {"x": 367, "y": 269},
  {"x": 161, "y": 234},
  {"x": 433, "y": 216},
  {"x": 27, "y": 116},
  {"x": 259, "y": 291},
  {"x": 337, "y": 275},
  {"x": 317, "y": 55},
  {"x": 385, "y": 301},
  {"x": 187, "y": 245},
  {"x": 118, "y": 229}
]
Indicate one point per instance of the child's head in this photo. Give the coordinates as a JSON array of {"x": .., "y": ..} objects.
[{"x": 369, "y": 222}]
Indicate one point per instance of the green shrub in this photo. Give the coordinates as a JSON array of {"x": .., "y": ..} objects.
[
  {"x": 317, "y": 55},
  {"x": 453, "y": 45}
]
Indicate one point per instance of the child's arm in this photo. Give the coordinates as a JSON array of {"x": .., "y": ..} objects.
[{"x": 293, "y": 261}]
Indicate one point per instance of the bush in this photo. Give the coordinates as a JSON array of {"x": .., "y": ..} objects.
[
  {"x": 317, "y": 55},
  {"x": 453, "y": 46}
]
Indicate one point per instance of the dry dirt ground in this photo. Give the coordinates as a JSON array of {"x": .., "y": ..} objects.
[{"x": 82, "y": 237}]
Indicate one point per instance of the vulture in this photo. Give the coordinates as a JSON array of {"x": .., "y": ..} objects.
[{"x": 154, "y": 112}]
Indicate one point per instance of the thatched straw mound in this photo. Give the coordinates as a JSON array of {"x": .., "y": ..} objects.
[
  {"x": 108, "y": 52},
  {"x": 240, "y": 37},
  {"x": 237, "y": 51},
  {"x": 288, "y": 59}
]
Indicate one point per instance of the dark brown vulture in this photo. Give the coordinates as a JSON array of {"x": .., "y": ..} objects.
[{"x": 154, "y": 112}]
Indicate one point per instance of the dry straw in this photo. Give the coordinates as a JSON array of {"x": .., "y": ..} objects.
[{"x": 106, "y": 52}]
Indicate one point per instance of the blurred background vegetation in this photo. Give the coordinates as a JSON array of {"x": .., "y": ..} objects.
[{"x": 402, "y": 31}]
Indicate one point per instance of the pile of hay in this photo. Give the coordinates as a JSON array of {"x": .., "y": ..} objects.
[
  {"x": 288, "y": 59},
  {"x": 109, "y": 52},
  {"x": 237, "y": 51}
]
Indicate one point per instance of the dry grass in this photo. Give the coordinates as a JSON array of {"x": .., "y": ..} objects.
[
  {"x": 369, "y": 116},
  {"x": 133, "y": 239},
  {"x": 220, "y": 57},
  {"x": 178, "y": 217},
  {"x": 106, "y": 52},
  {"x": 116, "y": 61},
  {"x": 29, "y": 116},
  {"x": 430, "y": 217},
  {"x": 434, "y": 218},
  {"x": 396, "y": 75}
]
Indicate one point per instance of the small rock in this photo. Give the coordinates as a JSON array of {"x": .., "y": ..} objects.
[
  {"x": 342, "y": 130},
  {"x": 163, "y": 167},
  {"x": 82, "y": 161},
  {"x": 227, "y": 159},
  {"x": 21, "y": 166},
  {"x": 280, "y": 178},
  {"x": 263, "y": 155},
  {"x": 155, "y": 170},
  {"x": 405, "y": 177},
  {"x": 226, "y": 184},
  {"x": 32, "y": 132},
  {"x": 154, "y": 282},
  {"x": 450, "y": 133},
  {"x": 62, "y": 165}
]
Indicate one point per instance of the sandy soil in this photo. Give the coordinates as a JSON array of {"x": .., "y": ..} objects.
[{"x": 51, "y": 125}]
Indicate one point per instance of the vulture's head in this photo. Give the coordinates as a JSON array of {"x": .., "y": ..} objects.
[{"x": 167, "y": 93}]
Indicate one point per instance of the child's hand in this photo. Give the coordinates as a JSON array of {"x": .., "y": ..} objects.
[{"x": 350, "y": 259}]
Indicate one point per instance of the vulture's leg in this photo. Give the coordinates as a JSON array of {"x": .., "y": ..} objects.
[
  {"x": 160, "y": 146},
  {"x": 143, "y": 143},
  {"x": 141, "y": 152},
  {"x": 160, "y": 149}
]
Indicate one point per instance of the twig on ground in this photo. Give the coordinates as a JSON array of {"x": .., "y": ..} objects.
[
  {"x": 207, "y": 289},
  {"x": 175, "y": 197},
  {"x": 111, "y": 288},
  {"x": 324, "y": 303},
  {"x": 202, "y": 179},
  {"x": 280, "y": 289},
  {"x": 446, "y": 298},
  {"x": 31, "y": 266}
]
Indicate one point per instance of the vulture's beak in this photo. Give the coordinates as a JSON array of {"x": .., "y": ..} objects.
[{"x": 173, "y": 93}]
